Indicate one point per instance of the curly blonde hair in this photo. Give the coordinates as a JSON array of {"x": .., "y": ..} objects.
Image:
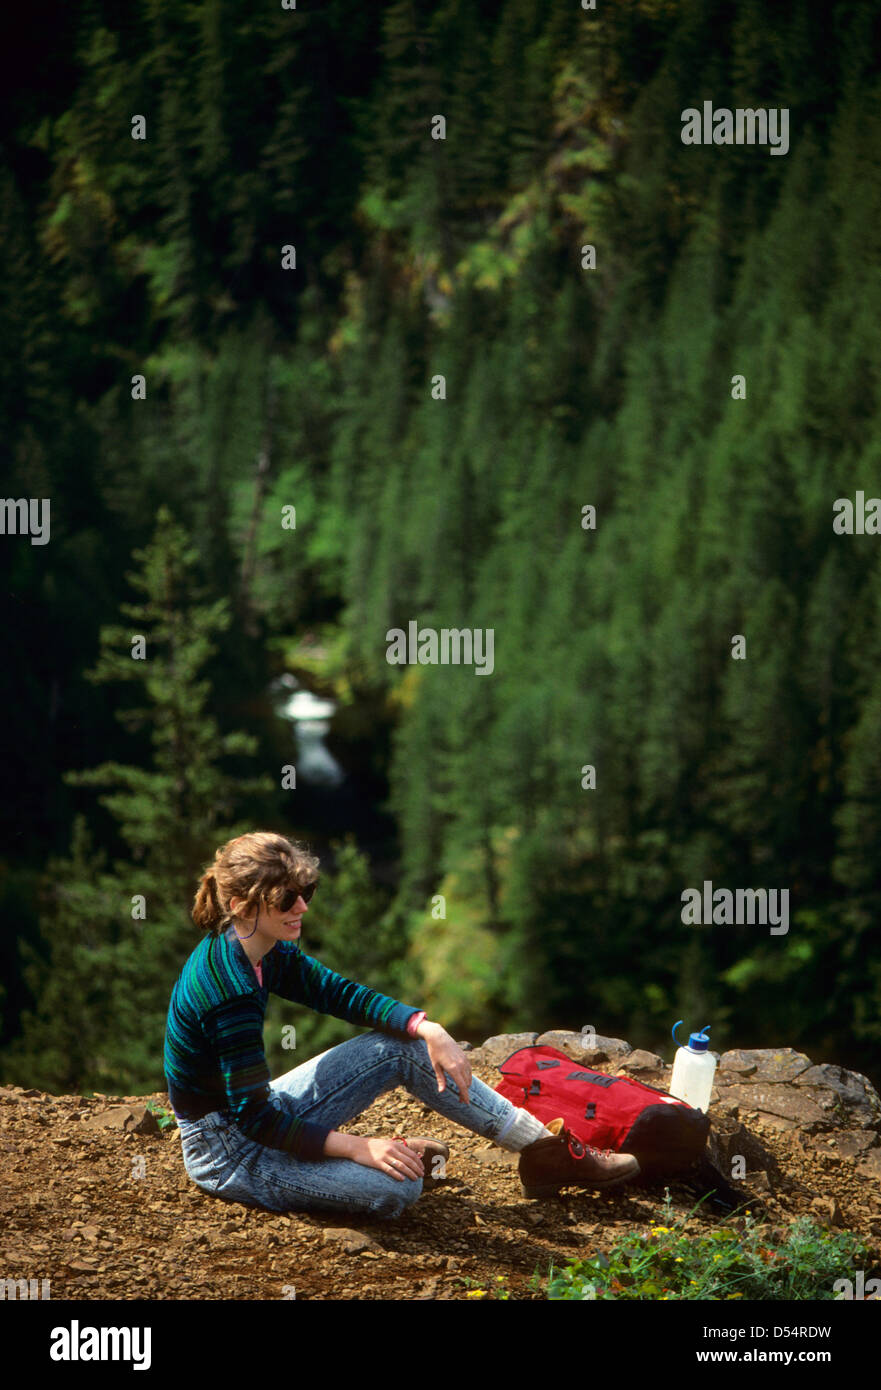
[{"x": 258, "y": 867}]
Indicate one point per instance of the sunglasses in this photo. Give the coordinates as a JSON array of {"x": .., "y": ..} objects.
[{"x": 292, "y": 894}]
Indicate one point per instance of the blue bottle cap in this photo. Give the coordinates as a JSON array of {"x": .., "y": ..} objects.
[{"x": 697, "y": 1042}]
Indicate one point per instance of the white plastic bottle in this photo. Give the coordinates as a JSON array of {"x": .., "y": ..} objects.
[{"x": 693, "y": 1070}]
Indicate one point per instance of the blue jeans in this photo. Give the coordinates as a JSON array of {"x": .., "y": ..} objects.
[{"x": 332, "y": 1089}]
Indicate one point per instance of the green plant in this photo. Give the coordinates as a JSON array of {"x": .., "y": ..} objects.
[
  {"x": 497, "y": 1287},
  {"x": 165, "y": 1118},
  {"x": 741, "y": 1258},
  {"x": 490, "y": 1288}
]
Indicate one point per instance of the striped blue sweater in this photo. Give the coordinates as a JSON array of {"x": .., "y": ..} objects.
[{"x": 214, "y": 1058}]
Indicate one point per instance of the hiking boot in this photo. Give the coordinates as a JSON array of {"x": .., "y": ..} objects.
[
  {"x": 428, "y": 1149},
  {"x": 564, "y": 1161}
]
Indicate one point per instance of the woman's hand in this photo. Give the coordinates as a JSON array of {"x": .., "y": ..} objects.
[
  {"x": 390, "y": 1156},
  {"x": 446, "y": 1056}
]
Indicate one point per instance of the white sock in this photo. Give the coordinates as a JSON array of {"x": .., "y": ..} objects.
[{"x": 523, "y": 1129}]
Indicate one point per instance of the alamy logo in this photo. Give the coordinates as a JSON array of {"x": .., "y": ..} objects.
[
  {"x": 22, "y": 517},
  {"x": 453, "y": 646},
  {"x": 77, "y": 1343},
  {"x": 743, "y": 126},
  {"x": 743, "y": 906}
]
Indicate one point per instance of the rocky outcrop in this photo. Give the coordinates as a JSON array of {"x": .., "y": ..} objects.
[{"x": 588, "y": 1048}]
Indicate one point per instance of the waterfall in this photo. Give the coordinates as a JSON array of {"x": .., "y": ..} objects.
[{"x": 310, "y": 716}]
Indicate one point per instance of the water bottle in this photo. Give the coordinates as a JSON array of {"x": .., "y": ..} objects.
[{"x": 693, "y": 1070}]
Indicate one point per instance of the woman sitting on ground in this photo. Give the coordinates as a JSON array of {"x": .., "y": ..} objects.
[{"x": 276, "y": 1144}]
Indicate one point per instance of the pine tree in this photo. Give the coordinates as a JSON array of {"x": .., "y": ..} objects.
[{"x": 117, "y": 936}]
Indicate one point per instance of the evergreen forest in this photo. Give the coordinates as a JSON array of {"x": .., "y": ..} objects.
[{"x": 320, "y": 322}]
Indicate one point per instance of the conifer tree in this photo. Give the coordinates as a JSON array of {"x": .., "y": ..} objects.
[{"x": 117, "y": 935}]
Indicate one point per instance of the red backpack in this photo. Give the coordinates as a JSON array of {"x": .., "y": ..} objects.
[{"x": 665, "y": 1135}]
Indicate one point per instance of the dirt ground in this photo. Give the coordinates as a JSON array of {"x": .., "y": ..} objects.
[{"x": 73, "y": 1210}]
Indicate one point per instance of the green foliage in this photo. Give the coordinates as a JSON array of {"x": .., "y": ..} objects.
[
  {"x": 164, "y": 1118},
  {"x": 741, "y": 1258},
  {"x": 166, "y": 814},
  {"x": 115, "y": 935},
  {"x": 497, "y": 1290},
  {"x": 461, "y": 258},
  {"x": 614, "y": 646}
]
